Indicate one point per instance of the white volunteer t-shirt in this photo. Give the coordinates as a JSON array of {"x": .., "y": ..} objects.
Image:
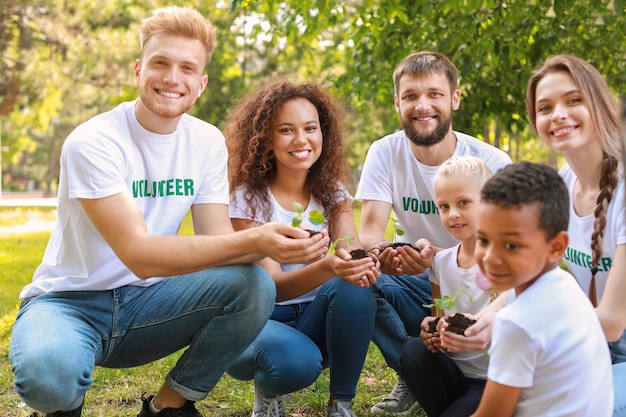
[
  {"x": 578, "y": 254},
  {"x": 110, "y": 154},
  {"x": 392, "y": 174}
]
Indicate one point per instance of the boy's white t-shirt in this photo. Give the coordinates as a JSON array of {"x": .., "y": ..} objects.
[
  {"x": 578, "y": 254},
  {"x": 549, "y": 342},
  {"x": 110, "y": 154},
  {"x": 446, "y": 273},
  {"x": 392, "y": 174}
]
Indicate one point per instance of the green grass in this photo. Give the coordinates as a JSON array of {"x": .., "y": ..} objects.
[
  {"x": 14, "y": 216},
  {"x": 117, "y": 392}
]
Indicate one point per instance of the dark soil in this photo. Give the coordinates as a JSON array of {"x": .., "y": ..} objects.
[
  {"x": 311, "y": 232},
  {"x": 399, "y": 244},
  {"x": 360, "y": 254},
  {"x": 457, "y": 323},
  {"x": 432, "y": 327}
]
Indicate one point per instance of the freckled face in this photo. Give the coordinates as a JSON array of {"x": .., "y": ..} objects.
[
  {"x": 297, "y": 136},
  {"x": 170, "y": 76},
  {"x": 562, "y": 115},
  {"x": 511, "y": 250},
  {"x": 458, "y": 198}
]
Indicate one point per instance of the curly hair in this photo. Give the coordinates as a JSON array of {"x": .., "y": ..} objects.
[
  {"x": 605, "y": 117},
  {"x": 248, "y": 132},
  {"x": 527, "y": 183}
]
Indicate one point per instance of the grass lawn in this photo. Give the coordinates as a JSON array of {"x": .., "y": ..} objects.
[{"x": 117, "y": 392}]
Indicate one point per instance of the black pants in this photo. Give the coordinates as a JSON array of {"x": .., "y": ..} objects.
[{"x": 437, "y": 383}]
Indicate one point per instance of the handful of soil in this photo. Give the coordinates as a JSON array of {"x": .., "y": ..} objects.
[
  {"x": 360, "y": 254},
  {"x": 457, "y": 323},
  {"x": 396, "y": 245}
]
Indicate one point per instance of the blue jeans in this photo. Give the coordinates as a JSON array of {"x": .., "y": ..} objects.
[
  {"x": 618, "y": 355},
  {"x": 334, "y": 330},
  {"x": 58, "y": 338},
  {"x": 400, "y": 311},
  {"x": 619, "y": 389},
  {"x": 438, "y": 384}
]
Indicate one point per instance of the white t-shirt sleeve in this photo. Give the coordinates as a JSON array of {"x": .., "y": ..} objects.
[
  {"x": 214, "y": 188},
  {"x": 375, "y": 181},
  {"x": 95, "y": 169},
  {"x": 512, "y": 355}
]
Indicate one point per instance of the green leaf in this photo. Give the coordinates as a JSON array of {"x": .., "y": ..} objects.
[
  {"x": 316, "y": 217},
  {"x": 299, "y": 208}
]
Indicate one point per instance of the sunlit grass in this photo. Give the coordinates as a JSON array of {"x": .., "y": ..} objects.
[
  {"x": 117, "y": 392},
  {"x": 15, "y": 216}
]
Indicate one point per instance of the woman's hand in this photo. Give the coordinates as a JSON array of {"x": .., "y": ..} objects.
[{"x": 361, "y": 272}]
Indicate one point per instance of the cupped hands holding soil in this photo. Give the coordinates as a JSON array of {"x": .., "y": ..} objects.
[{"x": 457, "y": 323}]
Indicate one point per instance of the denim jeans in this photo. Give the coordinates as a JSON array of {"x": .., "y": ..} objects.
[
  {"x": 619, "y": 389},
  {"x": 334, "y": 330},
  {"x": 437, "y": 383},
  {"x": 399, "y": 313},
  {"x": 58, "y": 338},
  {"x": 618, "y": 355}
]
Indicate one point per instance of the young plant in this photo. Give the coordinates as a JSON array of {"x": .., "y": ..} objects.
[
  {"x": 333, "y": 245},
  {"x": 315, "y": 217},
  {"x": 397, "y": 226},
  {"x": 446, "y": 302}
]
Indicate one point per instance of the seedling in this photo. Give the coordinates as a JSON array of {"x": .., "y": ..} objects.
[
  {"x": 397, "y": 226},
  {"x": 446, "y": 302},
  {"x": 347, "y": 239},
  {"x": 315, "y": 217}
]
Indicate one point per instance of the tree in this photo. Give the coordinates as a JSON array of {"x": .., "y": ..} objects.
[
  {"x": 495, "y": 45},
  {"x": 64, "y": 61}
]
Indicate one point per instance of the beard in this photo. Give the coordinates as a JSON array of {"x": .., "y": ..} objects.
[{"x": 427, "y": 139}]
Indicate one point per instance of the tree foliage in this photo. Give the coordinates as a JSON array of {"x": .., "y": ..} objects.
[{"x": 62, "y": 61}]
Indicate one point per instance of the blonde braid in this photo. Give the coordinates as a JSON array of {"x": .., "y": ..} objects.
[{"x": 608, "y": 183}]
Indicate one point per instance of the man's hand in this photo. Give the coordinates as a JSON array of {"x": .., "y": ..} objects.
[
  {"x": 388, "y": 258},
  {"x": 413, "y": 261},
  {"x": 291, "y": 245},
  {"x": 477, "y": 336}
]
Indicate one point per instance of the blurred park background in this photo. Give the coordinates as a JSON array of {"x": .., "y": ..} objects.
[{"x": 63, "y": 61}]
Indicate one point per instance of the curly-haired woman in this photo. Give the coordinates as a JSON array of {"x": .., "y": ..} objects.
[{"x": 285, "y": 146}]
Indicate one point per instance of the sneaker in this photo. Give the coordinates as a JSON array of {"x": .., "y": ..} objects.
[
  {"x": 341, "y": 408},
  {"x": 400, "y": 401},
  {"x": 268, "y": 406},
  {"x": 73, "y": 413},
  {"x": 187, "y": 410}
]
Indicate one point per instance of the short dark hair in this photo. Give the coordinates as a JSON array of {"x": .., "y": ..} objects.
[{"x": 527, "y": 183}]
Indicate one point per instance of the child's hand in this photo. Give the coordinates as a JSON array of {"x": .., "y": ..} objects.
[
  {"x": 431, "y": 340},
  {"x": 477, "y": 336}
]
